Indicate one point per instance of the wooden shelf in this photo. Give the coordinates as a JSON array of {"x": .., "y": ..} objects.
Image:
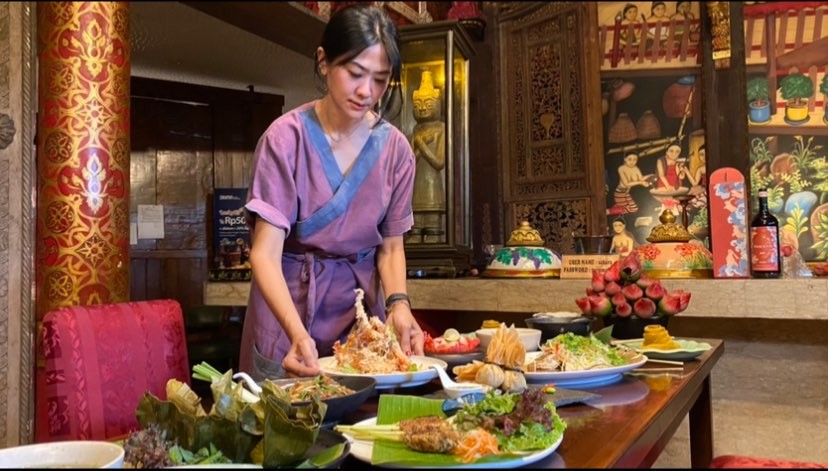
[
  {"x": 288, "y": 24},
  {"x": 777, "y": 125},
  {"x": 802, "y": 298}
]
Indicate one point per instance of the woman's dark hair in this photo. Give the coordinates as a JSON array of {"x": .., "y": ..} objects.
[{"x": 354, "y": 29}]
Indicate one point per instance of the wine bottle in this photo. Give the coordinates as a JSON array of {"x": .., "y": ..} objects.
[{"x": 764, "y": 241}]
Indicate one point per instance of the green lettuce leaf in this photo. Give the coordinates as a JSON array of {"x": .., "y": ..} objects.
[{"x": 394, "y": 408}]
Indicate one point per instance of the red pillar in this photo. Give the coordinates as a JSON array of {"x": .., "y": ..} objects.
[{"x": 83, "y": 149}]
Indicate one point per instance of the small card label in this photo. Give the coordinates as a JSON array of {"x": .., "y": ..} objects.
[{"x": 581, "y": 266}]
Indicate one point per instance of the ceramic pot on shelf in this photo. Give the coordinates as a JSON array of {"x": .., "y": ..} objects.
[{"x": 524, "y": 256}]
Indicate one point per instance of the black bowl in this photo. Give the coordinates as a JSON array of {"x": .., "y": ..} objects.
[
  {"x": 551, "y": 327},
  {"x": 340, "y": 407}
]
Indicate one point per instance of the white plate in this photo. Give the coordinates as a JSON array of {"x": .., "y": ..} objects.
[
  {"x": 689, "y": 350},
  {"x": 406, "y": 379},
  {"x": 582, "y": 378},
  {"x": 364, "y": 449}
]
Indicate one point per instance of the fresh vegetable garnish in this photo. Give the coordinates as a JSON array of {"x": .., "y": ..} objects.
[
  {"x": 206, "y": 372},
  {"x": 451, "y": 335},
  {"x": 451, "y": 341},
  {"x": 413, "y": 431},
  {"x": 521, "y": 422},
  {"x": 549, "y": 389}
]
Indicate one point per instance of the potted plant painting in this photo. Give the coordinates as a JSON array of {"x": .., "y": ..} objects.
[
  {"x": 796, "y": 89},
  {"x": 758, "y": 102},
  {"x": 823, "y": 87}
]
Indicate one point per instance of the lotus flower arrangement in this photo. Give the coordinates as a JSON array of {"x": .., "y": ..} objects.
[{"x": 623, "y": 291}]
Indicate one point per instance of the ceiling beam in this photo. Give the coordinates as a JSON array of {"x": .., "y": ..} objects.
[{"x": 287, "y": 24}]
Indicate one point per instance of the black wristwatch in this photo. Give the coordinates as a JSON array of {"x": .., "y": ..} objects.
[{"x": 395, "y": 298}]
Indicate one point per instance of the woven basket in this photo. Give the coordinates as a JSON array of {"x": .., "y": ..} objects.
[
  {"x": 623, "y": 130},
  {"x": 648, "y": 126}
]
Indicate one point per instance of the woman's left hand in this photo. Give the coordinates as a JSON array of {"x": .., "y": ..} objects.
[{"x": 409, "y": 332}]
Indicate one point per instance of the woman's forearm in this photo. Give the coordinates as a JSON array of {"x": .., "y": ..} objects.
[
  {"x": 266, "y": 264},
  {"x": 391, "y": 265}
]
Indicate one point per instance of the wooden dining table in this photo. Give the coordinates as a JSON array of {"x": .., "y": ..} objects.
[{"x": 630, "y": 423}]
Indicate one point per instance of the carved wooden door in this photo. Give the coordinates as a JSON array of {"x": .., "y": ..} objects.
[{"x": 551, "y": 128}]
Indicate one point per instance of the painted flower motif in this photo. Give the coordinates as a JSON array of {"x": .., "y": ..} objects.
[
  {"x": 686, "y": 250},
  {"x": 649, "y": 252}
]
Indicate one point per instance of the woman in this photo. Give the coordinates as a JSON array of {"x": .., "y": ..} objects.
[
  {"x": 629, "y": 176},
  {"x": 658, "y": 15},
  {"x": 623, "y": 242},
  {"x": 329, "y": 202},
  {"x": 630, "y": 33},
  {"x": 698, "y": 181},
  {"x": 670, "y": 171}
]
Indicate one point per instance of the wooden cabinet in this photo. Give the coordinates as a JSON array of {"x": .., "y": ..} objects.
[{"x": 550, "y": 130}]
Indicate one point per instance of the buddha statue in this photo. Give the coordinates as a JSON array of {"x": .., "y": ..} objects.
[{"x": 428, "y": 142}]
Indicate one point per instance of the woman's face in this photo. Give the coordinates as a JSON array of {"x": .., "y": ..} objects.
[
  {"x": 618, "y": 227},
  {"x": 673, "y": 152},
  {"x": 631, "y": 13},
  {"x": 356, "y": 86},
  {"x": 631, "y": 160},
  {"x": 659, "y": 10}
]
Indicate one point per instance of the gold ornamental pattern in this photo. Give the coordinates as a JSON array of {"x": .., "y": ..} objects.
[{"x": 83, "y": 154}]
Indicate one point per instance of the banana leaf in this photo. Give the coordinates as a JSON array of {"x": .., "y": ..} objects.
[
  {"x": 393, "y": 408},
  {"x": 270, "y": 432},
  {"x": 194, "y": 433},
  {"x": 289, "y": 431}
]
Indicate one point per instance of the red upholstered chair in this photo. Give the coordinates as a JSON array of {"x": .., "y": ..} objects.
[
  {"x": 99, "y": 360},
  {"x": 739, "y": 461}
]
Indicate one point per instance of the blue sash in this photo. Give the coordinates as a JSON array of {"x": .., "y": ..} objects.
[{"x": 344, "y": 187}]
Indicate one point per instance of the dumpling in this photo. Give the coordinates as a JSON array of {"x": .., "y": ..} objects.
[
  {"x": 513, "y": 382},
  {"x": 491, "y": 375}
]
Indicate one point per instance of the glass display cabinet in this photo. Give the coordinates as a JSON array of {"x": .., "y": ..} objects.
[{"x": 435, "y": 117}]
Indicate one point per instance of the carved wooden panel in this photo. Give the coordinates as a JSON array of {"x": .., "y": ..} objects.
[
  {"x": 18, "y": 103},
  {"x": 550, "y": 125}
]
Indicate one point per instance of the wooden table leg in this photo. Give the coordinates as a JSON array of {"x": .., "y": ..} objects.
[{"x": 701, "y": 428}]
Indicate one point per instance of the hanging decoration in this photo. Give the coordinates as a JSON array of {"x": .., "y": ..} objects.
[{"x": 719, "y": 13}]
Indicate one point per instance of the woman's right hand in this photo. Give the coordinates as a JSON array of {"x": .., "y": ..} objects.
[{"x": 302, "y": 358}]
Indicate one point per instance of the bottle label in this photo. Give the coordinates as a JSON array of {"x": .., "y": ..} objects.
[{"x": 764, "y": 243}]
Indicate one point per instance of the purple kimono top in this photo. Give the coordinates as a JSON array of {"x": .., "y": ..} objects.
[{"x": 333, "y": 222}]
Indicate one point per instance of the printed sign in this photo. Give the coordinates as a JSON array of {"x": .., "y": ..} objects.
[
  {"x": 581, "y": 266},
  {"x": 231, "y": 237}
]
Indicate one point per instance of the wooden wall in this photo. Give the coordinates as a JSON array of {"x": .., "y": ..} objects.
[{"x": 187, "y": 140}]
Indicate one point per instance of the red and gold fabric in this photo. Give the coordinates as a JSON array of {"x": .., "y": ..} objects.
[{"x": 83, "y": 154}]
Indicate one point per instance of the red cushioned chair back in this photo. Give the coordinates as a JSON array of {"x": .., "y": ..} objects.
[
  {"x": 100, "y": 360},
  {"x": 754, "y": 462}
]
